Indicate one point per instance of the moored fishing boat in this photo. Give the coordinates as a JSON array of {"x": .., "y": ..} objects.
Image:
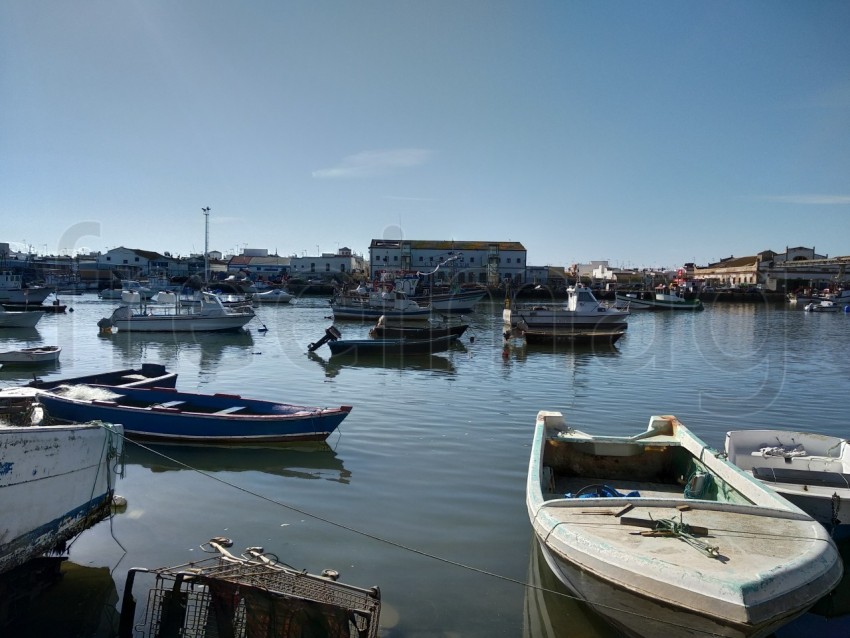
[
  {"x": 13, "y": 290},
  {"x": 810, "y": 470},
  {"x": 272, "y": 296},
  {"x": 19, "y": 319},
  {"x": 657, "y": 301},
  {"x": 608, "y": 334},
  {"x": 169, "y": 315},
  {"x": 383, "y": 347},
  {"x": 31, "y": 356},
  {"x": 581, "y": 311},
  {"x": 392, "y": 304},
  {"x": 384, "y": 330},
  {"x": 662, "y": 536},
  {"x": 168, "y": 415},
  {"x": 56, "y": 481}
]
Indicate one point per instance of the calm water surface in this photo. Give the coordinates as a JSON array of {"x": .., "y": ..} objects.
[{"x": 422, "y": 490}]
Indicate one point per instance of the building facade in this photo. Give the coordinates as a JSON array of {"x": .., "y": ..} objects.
[
  {"x": 341, "y": 265},
  {"x": 458, "y": 262}
]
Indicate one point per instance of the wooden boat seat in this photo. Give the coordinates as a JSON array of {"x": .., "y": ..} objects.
[
  {"x": 171, "y": 404},
  {"x": 802, "y": 477},
  {"x": 231, "y": 410}
]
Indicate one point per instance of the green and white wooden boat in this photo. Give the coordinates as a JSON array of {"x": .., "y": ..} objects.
[{"x": 662, "y": 536}]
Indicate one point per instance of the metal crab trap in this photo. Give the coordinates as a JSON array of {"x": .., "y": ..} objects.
[{"x": 248, "y": 596}]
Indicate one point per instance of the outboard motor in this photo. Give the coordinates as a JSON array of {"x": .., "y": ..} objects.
[{"x": 331, "y": 334}]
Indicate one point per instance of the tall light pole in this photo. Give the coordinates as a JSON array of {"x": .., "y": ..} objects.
[{"x": 206, "y": 244}]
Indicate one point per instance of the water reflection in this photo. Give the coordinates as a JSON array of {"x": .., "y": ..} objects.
[
  {"x": 550, "y": 609},
  {"x": 51, "y": 596},
  {"x": 429, "y": 362},
  {"x": 304, "y": 460},
  {"x": 16, "y": 335},
  {"x": 167, "y": 346}
]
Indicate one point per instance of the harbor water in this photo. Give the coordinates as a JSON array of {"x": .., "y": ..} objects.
[{"x": 421, "y": 491}]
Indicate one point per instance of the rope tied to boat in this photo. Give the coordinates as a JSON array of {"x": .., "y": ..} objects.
[{"x": 681, "y": 530}]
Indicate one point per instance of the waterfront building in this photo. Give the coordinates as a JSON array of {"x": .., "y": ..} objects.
[
  {"x": 482, "y": 262},
  {"x": 773, "y": 271},
  {"x": 343, "y": 263}
]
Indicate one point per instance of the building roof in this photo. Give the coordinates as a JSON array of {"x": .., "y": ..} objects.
[
  {"x": 734, "y": 262},
  {"x": 446, "y": 245}
]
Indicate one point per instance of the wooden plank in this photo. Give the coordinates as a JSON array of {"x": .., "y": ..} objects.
[{"x": 231, "y": 410}]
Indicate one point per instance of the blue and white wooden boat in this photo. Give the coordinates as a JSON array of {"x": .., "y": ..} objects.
[
  {"x": 55, "y": 482},
  {"x": 167, "y": 415},
  {"x": 149, "y": 375},
  {"x": 663, "y": 536}
]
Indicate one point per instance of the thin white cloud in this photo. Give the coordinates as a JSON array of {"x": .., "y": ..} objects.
[
  {"x": 816, "y": 200},
  {"x": 399, "y": 198},
  {"x": 374, "y": 163}
]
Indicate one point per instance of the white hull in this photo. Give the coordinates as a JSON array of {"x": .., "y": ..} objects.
[
  {"x": 57, "y": 481},
  {"x": 210, "y": 315},
  {"x": 582, "y": 311},
  {"x": 181, "y": 323},
  {"x": 31, "y": 355},
  {"x": 33, "y": 296},
  {"x": 814, "y": 476},
  {"x": 764, "y": 561},
  {"x": 273, "y": 297},
  {"x": 23, "y": 319}
]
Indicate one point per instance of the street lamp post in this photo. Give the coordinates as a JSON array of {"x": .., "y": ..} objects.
[{"x": 206, "y": 244}]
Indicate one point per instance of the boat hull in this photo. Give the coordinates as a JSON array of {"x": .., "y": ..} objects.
[
  {"x": 757, "y": 563},
  {"x": 373, "y": 314},
  {"x": 390, "y": 347},
  {"x": 639, "y": 303},
  {"x": 814, "y": 475},
  {"x": 458, "y": 303},
  {"x": 412, "y": 332},
  {"x": 25, "y": 295},
  {"x": 31, "y": 356},
  {"x": 165, "y": 415},
  {"x": 23, "y": 319},
  {"x": 55, "y": 482},
  {"x": 608, "y": 335},
  {"x": 150, "y": 375},
  {"x": 182, "y": 323}
]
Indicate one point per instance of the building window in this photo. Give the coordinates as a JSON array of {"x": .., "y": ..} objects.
[
  {"x": 509, "y": 260},
  {"x": 472, "y": 260},
  {"x": 421, "y": 259},
  {"x": 395, "y": 257},
  {"x": 327, "y": 267},
  {"x": 342, "y": 267}
]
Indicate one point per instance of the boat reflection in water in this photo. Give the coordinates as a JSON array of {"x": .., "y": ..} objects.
[
  {"x": 166, "y": 346},
  {"x": 52, "y": 596},
  {"x": 304, "y": 460},
  {"x": 424, "y": 362},
  {"x": 551, "y": 611}
]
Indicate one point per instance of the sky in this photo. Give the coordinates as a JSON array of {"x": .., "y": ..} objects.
[{"x": 648, "y": 134}]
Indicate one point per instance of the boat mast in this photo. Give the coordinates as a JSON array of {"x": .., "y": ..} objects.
[{"x": 206, "y": 245}]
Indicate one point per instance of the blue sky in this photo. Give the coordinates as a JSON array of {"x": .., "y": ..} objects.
[{"x": 645, "y": 133}]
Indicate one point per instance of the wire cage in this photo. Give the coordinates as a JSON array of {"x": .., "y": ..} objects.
[{"x": 250, "y": 596}]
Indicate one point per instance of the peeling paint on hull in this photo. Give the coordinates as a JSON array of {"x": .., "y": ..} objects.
[{"x": 56, "y": 482}]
